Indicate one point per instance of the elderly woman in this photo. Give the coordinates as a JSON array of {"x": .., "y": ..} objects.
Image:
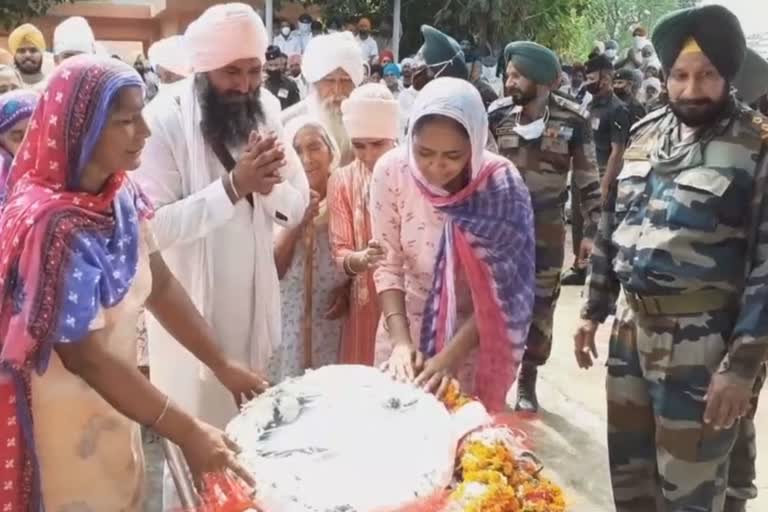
[
  {"x": 371, "y": 117},
  {"x": 457, "y": 285},
  {"x": 16, "y": 108},
  {"x": 314, "y": 292},
  {"x": 76, "y": 265},
  {"x": 10, "y": 79}
]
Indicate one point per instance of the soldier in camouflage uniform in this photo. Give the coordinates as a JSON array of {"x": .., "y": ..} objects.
[
  {"x": 685, "y": 236},
  {"x": 545, "y": 136}
]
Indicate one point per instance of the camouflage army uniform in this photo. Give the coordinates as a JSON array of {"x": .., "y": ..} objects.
[
  {"x": 544, "y": 164},
  {"x": 686, "y": 238}
]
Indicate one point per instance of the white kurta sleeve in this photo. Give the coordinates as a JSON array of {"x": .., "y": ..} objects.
[
  {"x": 288, "y": 201},
  {"x": 178, "y": 219}
]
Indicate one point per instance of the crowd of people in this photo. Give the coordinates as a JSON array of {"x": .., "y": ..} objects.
[{"x": 263, "y": 206}]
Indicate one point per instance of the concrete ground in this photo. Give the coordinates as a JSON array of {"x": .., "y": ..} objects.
[{"x": 569, "y": 434}]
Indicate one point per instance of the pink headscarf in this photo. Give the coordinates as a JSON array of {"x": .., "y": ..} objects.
[
  {"x": 371, "y": 112},
  {"x": 223, "y": 34}
]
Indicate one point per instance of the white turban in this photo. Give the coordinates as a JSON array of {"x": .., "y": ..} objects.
[
  {"x": 223, "y": 34},
  {"x": 324, "y": 54},
  {"x": 74, "y": 35},
  {"x": 371, "y": 112},
  {"x": 171, "y": 54}
]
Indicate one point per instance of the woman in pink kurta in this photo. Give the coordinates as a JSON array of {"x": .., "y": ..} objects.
[
  {"x": 456, "y": 286},
  {"x": 371, "y": 119}
]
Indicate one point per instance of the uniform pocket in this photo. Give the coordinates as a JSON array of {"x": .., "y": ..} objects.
[
  {"x": 631, "y": 185},
  {"x": 697, "y": 198}
]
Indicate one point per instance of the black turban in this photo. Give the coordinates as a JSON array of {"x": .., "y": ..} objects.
[
  {"x": 715, "y": 29},
  {"x": 598, "y": 63}
]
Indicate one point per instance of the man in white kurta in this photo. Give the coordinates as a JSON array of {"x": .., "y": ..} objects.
[
  {"x": 217, "y": 241},
  {"x": 333, "y": 67}
]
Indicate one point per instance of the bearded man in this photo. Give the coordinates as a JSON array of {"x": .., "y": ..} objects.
[
  {"x": 27, "y": 45},
  {"x": 220, "y": 175},
  {"x": 684, "y": 234},
  {"x": 333, "y": 68}
]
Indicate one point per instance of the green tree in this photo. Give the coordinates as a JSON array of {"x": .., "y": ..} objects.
[{"x": 13, "y": 12}]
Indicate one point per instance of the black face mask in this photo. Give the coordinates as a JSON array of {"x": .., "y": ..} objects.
[
  {"x": 363, "y": 34},
  {"x": 592, "y": 88},
  {"x": 621, "y": 92},
  {"x": 274, "y": 74}
]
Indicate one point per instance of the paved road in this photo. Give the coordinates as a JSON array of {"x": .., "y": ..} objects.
[{"x": 570, "y": 432}]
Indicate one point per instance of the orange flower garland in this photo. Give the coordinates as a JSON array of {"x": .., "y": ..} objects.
[{"x": 492, "y": 477}]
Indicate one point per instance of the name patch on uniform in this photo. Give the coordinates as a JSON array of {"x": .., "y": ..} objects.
[
  {"x": 282, "y": 94},
  {"x": 595, "y": 123},
  {"x": 509, "y": 142}
]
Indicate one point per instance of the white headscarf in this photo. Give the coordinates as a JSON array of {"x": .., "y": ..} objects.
[
  {"x": 326, "y": 53},
  {"x": 74, "y": 35},
  {"x": 294, "y": 126},
  {"x": 459, "y": 100},
  {"x": 292, "y": 129},
  {"x": 171, "y": 54},
  {"x": 223, "y": 34}
]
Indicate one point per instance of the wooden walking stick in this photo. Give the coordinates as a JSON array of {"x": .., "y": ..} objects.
[{"x": 309, "y": 270}]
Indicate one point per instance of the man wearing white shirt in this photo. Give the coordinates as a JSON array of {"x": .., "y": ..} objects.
[
  {"x": 220, "y": 175},
  {"x": 288, "y": 40},
  {"x": 368, "y": 45}
]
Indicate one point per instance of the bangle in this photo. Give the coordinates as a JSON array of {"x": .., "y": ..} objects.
[
  {"x": 233, "y": 187},
  {"x": 390, "y": 315},
  {"x": 348, "y": 267},
  {"x": 162, "y": 414}
]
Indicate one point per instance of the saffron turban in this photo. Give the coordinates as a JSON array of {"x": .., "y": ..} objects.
[
  {"x": 26, "y": 35},
  {"x": 325, "y": 54},
  {"x": 371, "y": 112},
  {"x": 74, "y": 35},
  {"x": 712, "y": 30},
  {"x": 171, "y": 54},
  {"x": 224, "y": 34},
  {"x": 535, "y": 62}
]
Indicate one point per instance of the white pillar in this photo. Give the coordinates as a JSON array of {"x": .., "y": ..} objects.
[
  {"x": 397, "y": 28},
  {"x": 269, "y": 14}
]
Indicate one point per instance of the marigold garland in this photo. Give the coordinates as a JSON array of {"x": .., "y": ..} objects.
[{"x": 492, "y": 478}]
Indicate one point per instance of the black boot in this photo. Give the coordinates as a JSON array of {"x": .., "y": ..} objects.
[
  {"x": 574, "y": 277},
  {"x": 526, "y": 389},
  {"x": 735, "y": 505}
]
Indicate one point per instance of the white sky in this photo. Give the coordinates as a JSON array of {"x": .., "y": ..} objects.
[{"x": 752, "y": 13}]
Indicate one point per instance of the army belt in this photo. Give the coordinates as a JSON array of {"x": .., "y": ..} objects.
[{"x": 702, "y": 301}]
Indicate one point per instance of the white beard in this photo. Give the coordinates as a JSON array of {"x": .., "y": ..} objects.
[{"x": 333, "y": 122}]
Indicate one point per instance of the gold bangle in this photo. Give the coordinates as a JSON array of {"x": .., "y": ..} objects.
[
  {"x": 390, "y": 315},
  {"x": 162, "y": 414},
  {"x": 348, "y": 267}
]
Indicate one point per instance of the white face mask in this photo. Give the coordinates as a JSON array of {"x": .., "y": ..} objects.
[
  {"x": 610, "y": 53},
  {"x": 305, "y": 27},
  {"x": 530, "y": 131},
  {"x": 285, "y": 31}
]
